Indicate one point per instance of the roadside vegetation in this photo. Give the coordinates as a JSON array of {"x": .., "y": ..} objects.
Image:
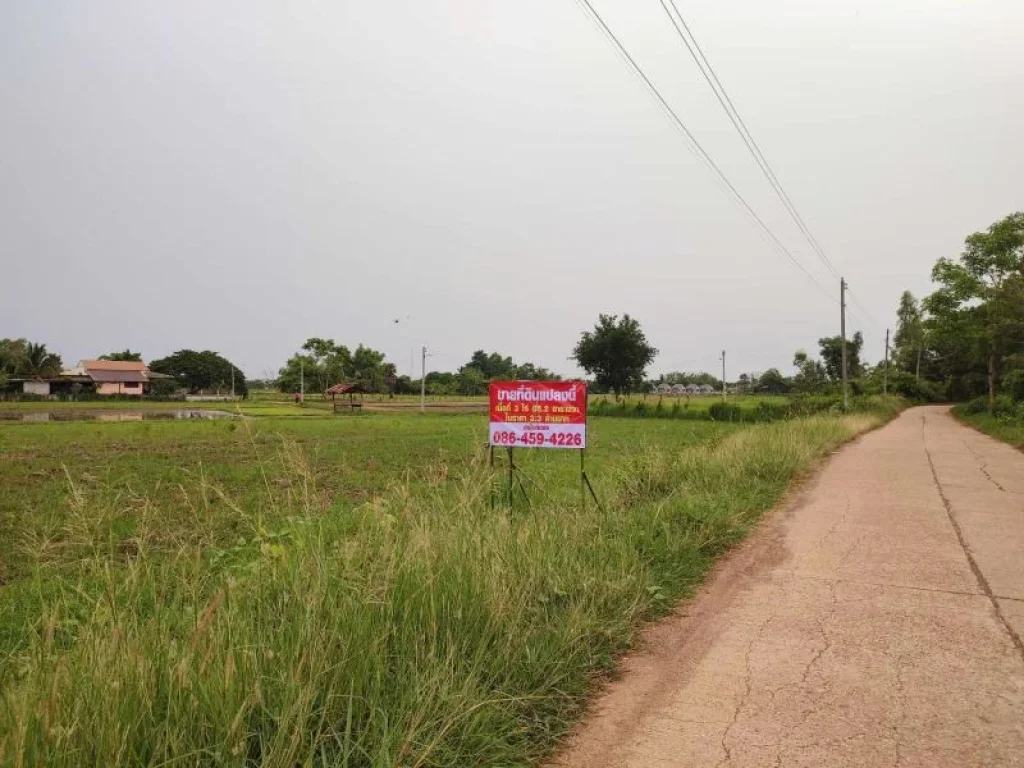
[
  {"x": 342, "y": 591},
  {"x": 1005, "y": 421}
]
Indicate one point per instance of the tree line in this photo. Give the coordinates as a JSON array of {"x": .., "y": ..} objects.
[
  {"x": 963, "y": 340},
  {"x": 321, "y": 363}
]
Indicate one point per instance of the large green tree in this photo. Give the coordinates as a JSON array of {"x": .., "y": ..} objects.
[
  {"x": 832, "y": 355},
  {"x": 491, "y": 366},
  {"x": 204, "y": 371},
  {"x": 772, "y": 381},
  {"x": 810, "y": 374},
  {"x": 368, "y": 368},
  {"x": 12, "y": 355},
  {"x": 977, "y": 313},
  {"x": 909, "y": 339},
  {"x": 615, "y": 353},
  {"x": 496, "y": 366},
  {"x": 320, "y": 363}
]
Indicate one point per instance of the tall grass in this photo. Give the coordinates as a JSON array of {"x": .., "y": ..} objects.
[{"x": 421, "y": 629}]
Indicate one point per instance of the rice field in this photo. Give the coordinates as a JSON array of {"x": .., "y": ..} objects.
[{"x": 348, "y": 591}]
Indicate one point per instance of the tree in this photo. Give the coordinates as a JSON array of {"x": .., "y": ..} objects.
[
  {"x": 531, "y": 372},
  {"x": 12, "y": 355},
  {"x": 495, "y": 366},
  {"x": 615, "y": 353},
  {"x": 810, "y": 376},
  {"x": 773, "y": 382},
  {"x": 471, "y": 381},
  {"x": 204, "y": 370},
  {"x": 679, "y": 377},
  {"x": 978, "y": 310},
  {"x": 832, "y": 355},
  {"x": 127, "y": 355},
  {"x": 491, "y": 366},
  {"x": 367, "y": 368},
  {"x": 389, "y": 372},
  {"x": 908, "y": 342},
  {"x": 321, "y": 363},
  {"x": 39, "y": 361}
]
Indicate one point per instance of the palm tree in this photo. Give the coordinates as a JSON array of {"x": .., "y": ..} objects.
[{"x": 38, "y": 361}]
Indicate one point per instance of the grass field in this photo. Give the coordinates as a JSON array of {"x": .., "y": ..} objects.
[
  {"x": 281, "y": 405},
  {"x": 341, "y": 591}
]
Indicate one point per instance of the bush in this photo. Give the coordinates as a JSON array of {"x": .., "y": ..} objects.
[
  {"x": 1013, "y": 384},
  {"x": 725, "y": 412},
  {"x": 908, "y": 386},
  {"x": 1003, "y": 405},
  {"x": 769, "y": 411},
  {"x": 977, "y": 405}
]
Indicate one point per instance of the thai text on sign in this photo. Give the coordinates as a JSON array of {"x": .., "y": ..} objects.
[{"x": 539, "y": 414}]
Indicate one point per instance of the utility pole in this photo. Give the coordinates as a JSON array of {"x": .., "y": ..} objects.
[
  {"x": 232, "y": 382},
  {"x": 723, "y": 375},
  {"x": 885, "y": 373},
  {"x": 302, "y": 380},
  {"x": 842, "y": 333},
  {"x": 423, "y": 379}
]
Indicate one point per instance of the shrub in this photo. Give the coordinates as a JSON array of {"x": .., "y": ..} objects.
[
  {"x": 1013, "y": 384},
  {"x": 1003, "y": 405},
  {"x": 769, "y": 411},
  {"x": 912, "y": 388},
  {"x": 725, "y": 412},
  {"x": 977, "y": 405}
]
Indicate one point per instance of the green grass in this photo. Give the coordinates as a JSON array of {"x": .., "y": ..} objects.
[
  {"x": 1008, "y": 429},
  {"x": 341, "y": 591},
  {"x": 162, "y": 481}
]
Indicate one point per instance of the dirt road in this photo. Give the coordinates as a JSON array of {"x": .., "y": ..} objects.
[{"x": 875, "y": 621}]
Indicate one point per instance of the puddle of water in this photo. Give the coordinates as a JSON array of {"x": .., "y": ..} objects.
[{"x": 154, "y": 415}]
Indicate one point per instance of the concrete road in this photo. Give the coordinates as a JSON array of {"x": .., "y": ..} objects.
[{"x": 876, "y": 620}]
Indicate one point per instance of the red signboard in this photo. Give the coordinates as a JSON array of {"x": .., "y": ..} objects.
[{"x": 539, "y": 414}]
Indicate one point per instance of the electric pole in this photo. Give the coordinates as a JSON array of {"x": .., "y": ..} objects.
[
  {"x": 302, "y": 380},
  {"x": 232, "y": 382},
  {"x": 842, "y": 333},
  {"x": 423, "y": 379},
  {"x": 885, "y": 373},
  {"x": 723, "y": 375}
]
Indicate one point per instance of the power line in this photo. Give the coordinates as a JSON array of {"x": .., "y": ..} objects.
[
  {"x": 693, "y": 143},
  {"x": 741, "y": 128},
  {"x": 862, "y": 311}
]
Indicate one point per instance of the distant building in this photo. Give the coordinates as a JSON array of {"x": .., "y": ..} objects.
[
  {"x": 35, "y": 386},
  {"x": 114, "y": 377}
]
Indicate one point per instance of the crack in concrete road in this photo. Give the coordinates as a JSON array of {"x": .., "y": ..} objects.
[
  {"x": 908, "y": 658},
  {"x": 982, "y": 581},
  {"x": 748, "y": 687},
  {"x": 982, "y": 465}
]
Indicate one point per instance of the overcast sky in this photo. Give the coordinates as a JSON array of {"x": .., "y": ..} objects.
[{"x": 240, "y": 176}]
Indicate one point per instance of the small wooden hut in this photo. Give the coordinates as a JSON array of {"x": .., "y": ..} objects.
[{"x": 345, "y": 389}]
